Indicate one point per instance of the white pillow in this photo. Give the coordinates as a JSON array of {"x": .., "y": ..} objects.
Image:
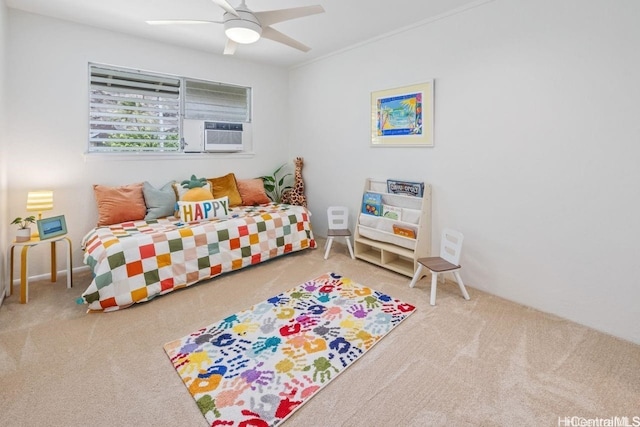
[{"x": 205, "y": 209}]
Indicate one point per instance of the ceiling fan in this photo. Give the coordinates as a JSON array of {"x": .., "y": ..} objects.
[{"x": 243, "y": 26}]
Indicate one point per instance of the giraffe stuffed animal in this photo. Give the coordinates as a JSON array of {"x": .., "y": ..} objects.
[{"x": 295, "y": 195}]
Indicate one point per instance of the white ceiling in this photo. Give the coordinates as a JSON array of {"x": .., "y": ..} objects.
[{"x": 345, "y": 23}]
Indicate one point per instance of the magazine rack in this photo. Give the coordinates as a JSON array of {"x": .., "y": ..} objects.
[{"x": 388, "y": 242}]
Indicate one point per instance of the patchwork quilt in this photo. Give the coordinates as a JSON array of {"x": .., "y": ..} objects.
[{"x": 135, "y": 261}]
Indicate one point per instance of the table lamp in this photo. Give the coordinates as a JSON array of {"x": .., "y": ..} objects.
[{"x": 38, "y": 201}]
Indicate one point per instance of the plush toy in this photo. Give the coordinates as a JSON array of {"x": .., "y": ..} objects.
[
  {"x": 196, "y": 191},
  {"x": 295, "y": 195}
]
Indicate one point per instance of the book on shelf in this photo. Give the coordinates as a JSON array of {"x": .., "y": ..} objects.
[
  {"x": 392, "y": 212},
  {"x": 404, "y": 231},
  {"x": 405, "y": 188},
  {"x": 372, "y": 204}
]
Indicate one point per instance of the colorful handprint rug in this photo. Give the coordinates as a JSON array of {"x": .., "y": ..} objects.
[{"x": 258, "y": 366}]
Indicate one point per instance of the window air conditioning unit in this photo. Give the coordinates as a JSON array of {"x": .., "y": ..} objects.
[{"x": 203, "y": 136}]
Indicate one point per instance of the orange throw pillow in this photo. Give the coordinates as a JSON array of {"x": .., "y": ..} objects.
[
  {"x": 119, "y": 204},
  {"x": 252, "y": 192}
]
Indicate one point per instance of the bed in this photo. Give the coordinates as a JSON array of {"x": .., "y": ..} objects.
[{"x": 135, "y": 261}]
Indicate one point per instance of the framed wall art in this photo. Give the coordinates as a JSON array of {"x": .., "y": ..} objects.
[{"x": 403, "y": 117}]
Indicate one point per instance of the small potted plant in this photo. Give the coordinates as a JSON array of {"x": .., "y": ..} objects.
[{"x": 24, "y": 231}]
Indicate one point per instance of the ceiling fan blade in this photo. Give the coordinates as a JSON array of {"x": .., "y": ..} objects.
[
  {"x": 226, "y": 6},
  {"x": 182, "y": 21},
  {"x": 277, "y": 36},
  {"x": 230, "y": 47},
  {"x": 274, "y": 16}
]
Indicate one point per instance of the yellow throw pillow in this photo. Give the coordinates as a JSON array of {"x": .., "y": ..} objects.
[
  {"x": 181, "y": 191},
  {"x": 226, "y": 186},
  {"x": 207, "y": 209}
]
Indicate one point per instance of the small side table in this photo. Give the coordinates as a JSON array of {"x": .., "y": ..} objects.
[{"x": 24, "y": 263}]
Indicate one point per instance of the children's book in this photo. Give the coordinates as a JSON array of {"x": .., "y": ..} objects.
[
  {"x": 404, "y": 231},
  {"x": 392, "y": 212},
  {"x": 406, "y": 188},
  {"x": 372, "y": 204}
]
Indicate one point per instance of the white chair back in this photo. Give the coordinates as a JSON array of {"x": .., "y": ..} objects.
[
  {"x": 451, "y": 246},
  {"x": 338, "y": 217}
]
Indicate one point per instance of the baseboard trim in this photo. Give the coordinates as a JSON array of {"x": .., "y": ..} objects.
[{"x": 47, "y": 276}]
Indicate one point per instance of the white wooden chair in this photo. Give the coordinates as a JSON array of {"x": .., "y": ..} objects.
[
  {"x": 447, "y": 262},
  {"x": 338, "y": 218}
]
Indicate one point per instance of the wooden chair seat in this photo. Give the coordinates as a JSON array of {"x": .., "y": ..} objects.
[
  {"x": 338, "y": 233},
  {"x": 437, "y": 264}
]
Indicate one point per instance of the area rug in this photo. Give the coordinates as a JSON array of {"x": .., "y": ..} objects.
[{"x": 256, "y": 367}]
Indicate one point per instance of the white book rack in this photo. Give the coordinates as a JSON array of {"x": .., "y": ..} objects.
[{"x": 375, "y": 240}]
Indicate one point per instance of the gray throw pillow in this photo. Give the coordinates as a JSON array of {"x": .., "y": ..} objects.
[{"x": 160, "y": 202}]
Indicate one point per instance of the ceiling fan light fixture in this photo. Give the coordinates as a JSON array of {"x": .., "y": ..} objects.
[
  {"x": 243, "y": 26},
  {"x": 242, "y": 31}
]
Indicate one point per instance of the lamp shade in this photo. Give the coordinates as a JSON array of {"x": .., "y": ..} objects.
[
  {"x": 242, "y": 35},
  {"x": 244, "y": 29},
  {"x": 39, "y": 201}
]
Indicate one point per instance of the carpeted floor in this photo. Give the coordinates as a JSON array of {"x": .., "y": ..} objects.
[{"x": 483, "y": 362}]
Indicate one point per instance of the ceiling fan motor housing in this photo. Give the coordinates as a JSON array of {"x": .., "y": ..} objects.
[{"x": 244, "y": 28}]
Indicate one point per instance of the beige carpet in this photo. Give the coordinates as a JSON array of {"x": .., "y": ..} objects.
[{"x": 483, "y": 362}]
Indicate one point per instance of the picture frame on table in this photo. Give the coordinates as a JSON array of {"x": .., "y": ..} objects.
[
  {"x": 403, "y": 116},
  {"x": 52, "y": 227}
]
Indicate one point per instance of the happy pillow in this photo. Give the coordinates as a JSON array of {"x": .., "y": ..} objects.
[{"x": 206, "y": 209}]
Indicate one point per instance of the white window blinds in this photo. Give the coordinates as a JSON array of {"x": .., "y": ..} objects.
[
  {"x": 133, "y": 111},
  {"x": 216, "y": 101}
]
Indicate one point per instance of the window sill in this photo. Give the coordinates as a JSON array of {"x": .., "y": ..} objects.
[{"x": 91, "y": 157}]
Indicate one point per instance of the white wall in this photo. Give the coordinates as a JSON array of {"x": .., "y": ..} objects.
[
  {"x": 48, "y": 99},
  {"x": 536, "y": 146},
  {"x": 3, "y": 142}
]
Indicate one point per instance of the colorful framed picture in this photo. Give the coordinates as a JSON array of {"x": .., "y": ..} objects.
[
  {"x": 403, "y": 117},
  {"x": 52, "y": 227}
]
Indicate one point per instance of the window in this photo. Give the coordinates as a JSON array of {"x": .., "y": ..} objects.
[
  {"x": 134, "y": 111},
  {"x": 131, "y": 111}
]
